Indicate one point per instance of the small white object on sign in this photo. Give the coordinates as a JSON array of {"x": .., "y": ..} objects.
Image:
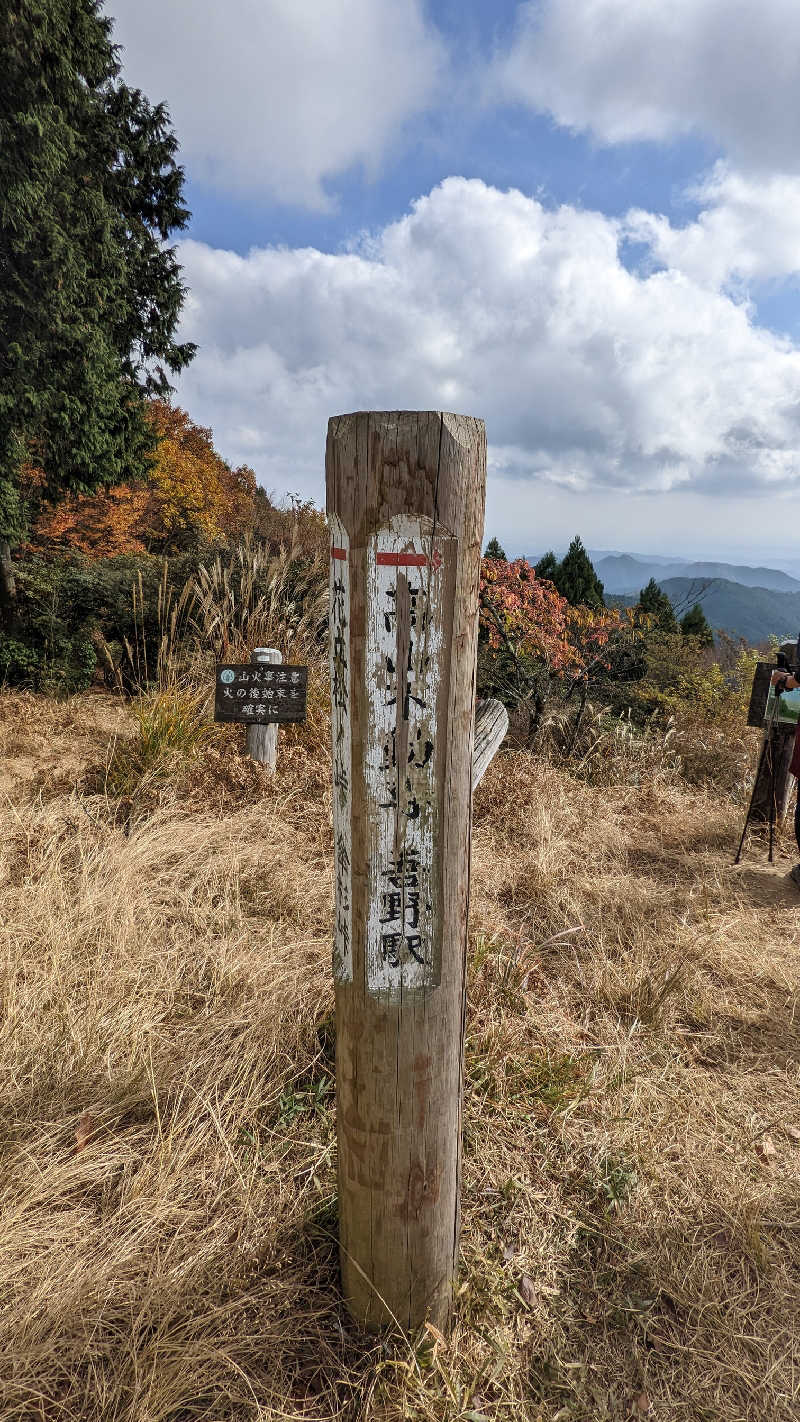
[
  {"x": 341, "y": 741},
  {"x": 407, "y": 568}
]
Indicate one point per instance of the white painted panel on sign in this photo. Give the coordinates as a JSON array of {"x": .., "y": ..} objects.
[
  {"x": 341, "y": 743},
  {"x": 406, "y": 622}
]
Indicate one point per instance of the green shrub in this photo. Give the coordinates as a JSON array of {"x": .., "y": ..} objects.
[
  {"x": 141, "y": 619},
  {"x": 173, "y": 725},
  {"x": 51, "y": 647},
  {"x": 75, "y": 613}
]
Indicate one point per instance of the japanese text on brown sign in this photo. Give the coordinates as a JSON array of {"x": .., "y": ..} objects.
[{"x": 260, "y": 694}]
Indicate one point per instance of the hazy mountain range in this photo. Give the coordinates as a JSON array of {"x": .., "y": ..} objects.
[
  {"x": 749, "y": 602},
  {"x": 625, "y": 573},
  {"x": 752, "y": 613}
]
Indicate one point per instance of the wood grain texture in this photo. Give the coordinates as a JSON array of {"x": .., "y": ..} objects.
[
  {"x": 262, "y": 741},
  {"x": 491, "y": 729},
  {"x": 399, "y": 1053}
]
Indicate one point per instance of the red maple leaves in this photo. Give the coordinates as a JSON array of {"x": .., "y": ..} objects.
[{"x": 528, "y": 617}]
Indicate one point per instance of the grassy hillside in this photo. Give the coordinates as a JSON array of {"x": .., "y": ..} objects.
[{"x": 632, "y": 1130}]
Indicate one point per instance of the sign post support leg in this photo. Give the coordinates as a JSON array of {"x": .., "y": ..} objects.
[
  {"x": 262, "y": 741},
  {"x": 405, "y": 499}
]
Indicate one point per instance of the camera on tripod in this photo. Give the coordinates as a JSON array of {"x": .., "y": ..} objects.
[
  {"x": 765, "y": 707},
  {"x": 783, "y": 706}
]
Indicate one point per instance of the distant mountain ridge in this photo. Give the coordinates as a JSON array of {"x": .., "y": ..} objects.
[
  {"x": 624, "y": 573},
  {"x": 749, "y": 602},
  {"x": 749, "y": 612},
  {"x": 752, "y": 613},
  {"x": 628, "y": 573}
]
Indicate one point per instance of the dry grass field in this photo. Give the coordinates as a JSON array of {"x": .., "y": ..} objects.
[{"x": 631, "y": 1212}]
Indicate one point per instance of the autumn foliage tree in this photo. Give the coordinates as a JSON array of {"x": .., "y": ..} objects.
[
  {"x": 532, "y": 639},
  {"x": 190, "y": 497}
]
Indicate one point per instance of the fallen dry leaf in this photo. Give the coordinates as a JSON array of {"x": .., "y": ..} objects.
[
  {"x": 766, "y": 1146},
  {"x": 84, "y": 1132},
  {"x": 643, "y": 1402},
  {"x": 793, "y": 1132},
  {"x": 527, "y": 1289}
]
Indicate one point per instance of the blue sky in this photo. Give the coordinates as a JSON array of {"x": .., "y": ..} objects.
[
  {"x": 506, "y": 147},
  {"x": 579, "y": 219}
]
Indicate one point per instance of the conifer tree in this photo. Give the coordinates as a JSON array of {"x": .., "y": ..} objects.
[
  {"x": 576, "y": 578},
  {"x": 547, "y": 567},
  {"x": 695, "y": 624},
  {"x": 495, "y": 550},
  {"x": 90, "y": 293},
  {"x": 655, "y": 602}
]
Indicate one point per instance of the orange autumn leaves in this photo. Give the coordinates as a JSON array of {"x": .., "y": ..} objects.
[
  {"x": 529, "y": 617},
  {"x": 190, "y": 496}
]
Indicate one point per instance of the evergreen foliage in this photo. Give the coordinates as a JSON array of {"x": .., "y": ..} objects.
[
  {"x": 90, "y": 294},
  {"x": 695, "y": 624},
  {"x": 547, "y": 567},
  {"x": 577, "y": 580},
  {"x": 68, "y": 609},
  {"x": 654, "y": 601},
  {"x": 495, "y": 550},
  {"x": 574, "y": 577}
]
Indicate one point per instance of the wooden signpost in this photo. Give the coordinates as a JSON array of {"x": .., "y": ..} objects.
[
  {"x": 263, "y": 695},
  {"x": 405, "y": 499}
]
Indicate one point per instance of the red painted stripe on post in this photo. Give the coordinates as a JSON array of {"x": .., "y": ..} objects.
[
  {"x": 402, "y": 560},
  {"x": 410, "y": 560},
  {"x": 339, "y": 553}
]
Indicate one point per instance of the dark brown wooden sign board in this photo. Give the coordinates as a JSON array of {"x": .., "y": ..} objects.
[
  {"x": 758, "y": 696},
  {"x": 260, "y": 693}
]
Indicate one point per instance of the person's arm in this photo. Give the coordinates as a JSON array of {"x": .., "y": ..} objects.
[{"x": 784, "y": 681}]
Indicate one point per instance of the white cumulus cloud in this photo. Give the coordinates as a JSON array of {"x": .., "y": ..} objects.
[
  {"x": 275, "y": 96},
  {"x": 637, "y": 69},
  {"x": 748, "y": 229},
  {"x": 589, "y": 376}
]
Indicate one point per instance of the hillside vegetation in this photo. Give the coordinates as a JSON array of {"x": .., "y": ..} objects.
[
  {"x": 632, "y": 1134},
  {"x": 751, "y": 612}
]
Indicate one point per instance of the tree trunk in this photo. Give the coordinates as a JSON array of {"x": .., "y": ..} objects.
[{"x": 8, "y": 588}]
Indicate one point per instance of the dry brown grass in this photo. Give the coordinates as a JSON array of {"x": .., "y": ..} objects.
[{"x": 631, "y": 1242}]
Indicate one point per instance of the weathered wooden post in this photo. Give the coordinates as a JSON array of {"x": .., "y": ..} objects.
[
  {"x": 262, "y": 741},
  {"x": 405, "y": 499},
  {"x": 491, "y": 729}
]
